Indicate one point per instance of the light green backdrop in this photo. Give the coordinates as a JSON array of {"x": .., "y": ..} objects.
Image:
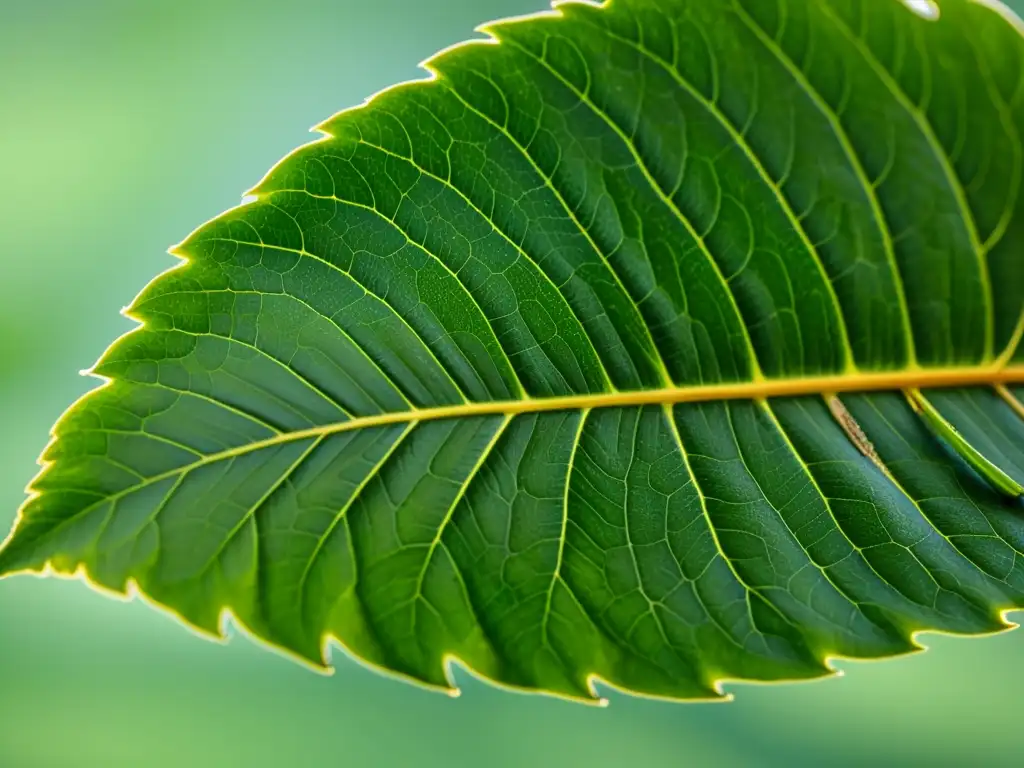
[{"x": 123, "y": 125}]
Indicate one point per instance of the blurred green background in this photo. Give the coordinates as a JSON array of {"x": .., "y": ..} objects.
[{"x": 125, "y": 123}]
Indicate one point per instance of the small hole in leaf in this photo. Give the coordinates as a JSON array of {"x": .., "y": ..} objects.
[{"x": 926, "y": 9}]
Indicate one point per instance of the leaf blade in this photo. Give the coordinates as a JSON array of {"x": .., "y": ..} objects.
[{"x": 508, "y": 369}]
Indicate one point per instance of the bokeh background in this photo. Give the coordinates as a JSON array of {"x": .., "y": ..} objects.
[{"x": 123, "y": 125}]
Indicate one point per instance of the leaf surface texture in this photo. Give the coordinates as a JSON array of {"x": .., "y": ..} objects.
[{"x": 661, "y": 343}]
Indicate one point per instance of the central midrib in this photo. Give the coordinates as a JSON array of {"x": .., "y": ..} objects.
[{"x": 921, "y": 378}]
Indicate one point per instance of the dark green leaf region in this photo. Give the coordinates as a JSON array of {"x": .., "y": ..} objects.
[{"x": 650, "y": 345}]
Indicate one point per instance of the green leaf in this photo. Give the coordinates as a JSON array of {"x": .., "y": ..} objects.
[{"x": 662, "y": 344}]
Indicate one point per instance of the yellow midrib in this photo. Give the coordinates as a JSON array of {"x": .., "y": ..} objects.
[
  {"x": 923, "y": 378},
  {"x": 989, "y": 375}
]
